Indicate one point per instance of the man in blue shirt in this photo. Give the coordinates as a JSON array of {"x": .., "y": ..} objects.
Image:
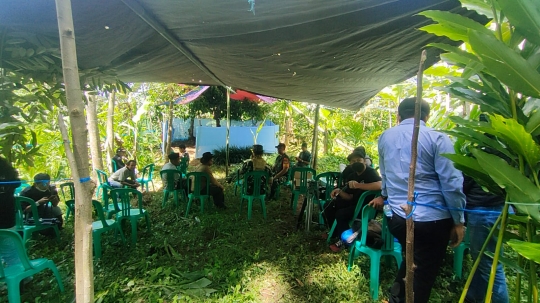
[{"x": 438, "y": 185}]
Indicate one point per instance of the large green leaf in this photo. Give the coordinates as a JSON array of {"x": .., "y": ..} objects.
[
  {"x": 479, "y": 6},
  {"x": 452, "y": 25},
  {"x": 515, "y": 135},
  {"x": 480, "y": 139},
  {"x": 528, "y": 250},
  {"x": 533, "y": 125},
  {"x": 470, "y": 167},
  {"x": 509, "y": 263},
  {"x": 525, "y": 16},
  {"x": 505, "y": 64},
  {"x": 487, "y": 103}
]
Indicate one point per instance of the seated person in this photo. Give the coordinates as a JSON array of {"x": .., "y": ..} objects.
[
  {"x": 174, "y": 161},
  {"x": 125, "y": 176},
  {"x": 356, "y": 156},
  {"x": 256, "y": 163},
  {"x": 280, "y": 170},
  {"x": 8, "y": 252},
  {"x": 304, "y": 157},
  {"x": 183, "y": 153},
  {"x": 119, "y": 158},
  {"x": 43, "y": 193},
  {"x": 344, "y": 202},
  {"x": 216, "y": 189}
]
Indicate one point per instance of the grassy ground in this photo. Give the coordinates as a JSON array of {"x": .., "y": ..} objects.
[{"x": 218, "y": 256}]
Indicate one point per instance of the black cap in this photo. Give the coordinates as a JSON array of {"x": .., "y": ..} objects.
[
  {"x": 120, "y": 149},
  {"x": 304, "y": 144},
  {"x": 258, "y": 149},
  {"x": 207, "y": 156},
  {"x": 356, "y": 154},
  {"x": 182, "y": 146},
  {"x": 42, "y": 177},
  {"x": 174, "y": 156},
  {"x": 280, "y": 145}
]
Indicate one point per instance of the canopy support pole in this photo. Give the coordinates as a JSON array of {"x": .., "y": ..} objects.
[
  {"x": 228, "y": 130},
  {"x": 84, "y": 276},
  {"x": 139, "y": 10},
  {"x": 314, "y": 147}
]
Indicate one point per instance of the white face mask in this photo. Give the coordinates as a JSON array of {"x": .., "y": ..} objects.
[{"x": 41, "y": 187}]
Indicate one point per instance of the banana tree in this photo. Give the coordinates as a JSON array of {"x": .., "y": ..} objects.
[{"x": 500, "y": 75}]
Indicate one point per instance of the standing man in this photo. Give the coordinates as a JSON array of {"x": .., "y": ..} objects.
[
  {"x": 125, "y": 176},
  {"x": 304, "y": 157},
  {"x": 119, "y": 158},
  {"x": 438, "y": 185},
  {"x": 280, "y": 169}
]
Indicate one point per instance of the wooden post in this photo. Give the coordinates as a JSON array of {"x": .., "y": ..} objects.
[
  {"x": 315, "y": 141},
  {"x": 110, "y": 128},
  {"x": 168, "y": 144},
  {"x": 84, "y": 278},
  {"x": 228, "y": 130},
  {"x": 409, "y": 277}
]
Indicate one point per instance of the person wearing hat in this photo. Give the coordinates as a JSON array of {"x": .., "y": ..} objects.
[
  {"x": 174, "y": 161},
  {"x": 357, "y": 156},
  {"x": 216, "y": 189},
  {"x": 280, "y": 169},
  {"x": 437, "y": 184},
  {"x": 256, "y": 163},
  {"x": 304, "y": 157},
  {"x": 43, "y": 193},
  {"x": 119, "y": 158},
  {"x": 125, "y": 176}
]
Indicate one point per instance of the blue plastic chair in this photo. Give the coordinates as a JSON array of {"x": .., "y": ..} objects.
[
  {"x": 147, "y": 174},
  {"x": 256, "y": 178},
  {"x": 195, "y": 178},
  {"x": 124, "y": 211},
  {"x": 13, "y": 274},
  {"x": 302, "y": 175},
  {"x": 389, "y": 248}
]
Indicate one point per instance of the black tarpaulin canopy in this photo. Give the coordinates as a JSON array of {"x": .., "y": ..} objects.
[{"x": 332, "y": 52}]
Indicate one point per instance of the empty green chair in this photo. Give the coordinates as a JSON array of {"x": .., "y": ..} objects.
[
  {"x": 196, "y": 178},
  {"x": 299, "y": 177},
  {"x": 124, "y": 211},
  {"x": 459, "y": 253},
  {"x": 28, "y": 230},
  {"x": 147, "y": 174},
  {"x": 330, "y": 181},
  {"x": 114, "y": 166},
  {"x": 103, "y": 181},
  {"x": 238, "y": 182},
  {"x": 357, "y": 210},
  {"x": 254, "y": 181},
  {"x": 389, "y": 248},
  {"x": 13, "y": 274},
  {"x": 101, "y": 226},
  {"x": 170, "y": 178},
  {"x": 68, "y": 195}
]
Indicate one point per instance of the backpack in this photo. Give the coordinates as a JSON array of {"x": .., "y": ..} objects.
[{"x": 374, "y": 234}]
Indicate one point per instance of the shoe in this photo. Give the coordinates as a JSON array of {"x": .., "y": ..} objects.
[{"x": 337, "y": 247}]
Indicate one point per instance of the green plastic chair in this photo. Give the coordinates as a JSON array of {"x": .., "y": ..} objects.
[
  {"x": 330, "y": 181},
  {"x": 13, "y": 274},
  {"x": 28, "y": 230},
  {"x": 170, "y": 176},
  {"x": 114, "y": 166},
  {"x": 122, "y": 203},
  {"x": 103, "y": 180},
  {"x": 302, "y": 188},
  {"x": 389, "y": 248},
  {"x": 19, "y": 189},
  {"x": 68, "y": 194},
  {"x": 357, "y": 210},
  {"x": 238, "y": 182},
  {"x": 459, "y": 253},
  {"x": 101, "y": 226},
  {"x": 195, "y": 178},
  {"x": 147, "y": 174},
  {"x": 257, "y": 179},
  {"x": 183, "y": 166}
]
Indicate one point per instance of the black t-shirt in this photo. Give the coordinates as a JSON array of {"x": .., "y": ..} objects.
[
  {"x": 368, "y": 176},
  {"x": 476, "y": 196},
  {"x": 33, "y": 193},
  {"x": 119, "y": 162},
  {"x": 7, "y": 202}
]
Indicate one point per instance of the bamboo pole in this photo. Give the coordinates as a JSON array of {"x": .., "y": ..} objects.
[
  {"x": 84, "y": 281},
  {"x": 228, "y": 130},
  {"x": 409, "y": 256}
]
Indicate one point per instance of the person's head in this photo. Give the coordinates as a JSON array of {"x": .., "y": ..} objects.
[
  {"x": 174, "y": 158},
  {"x": 304, "y": 146},
  {"x": 131, "y": 164},
  {"x": 182, "y": 148},
  {"x": 258, "y": 150},
  {"x": 121, "y": 151},
  {"x": 207, "y": 158},
  {"x": 356, "y": 157},
  {"x": 42, "y": 181},
  {"x": 406, "y": 109},
  {"x": 358, "y": 168},
  {"x": 281, "y": 148}
]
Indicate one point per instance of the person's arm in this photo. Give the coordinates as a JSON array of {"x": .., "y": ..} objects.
[
  {"x": 212, "y": 179},
  {"x": 366, "y": 186},
  {"x": 341, "y": 193},
  {"x": 285, "y": 169}
]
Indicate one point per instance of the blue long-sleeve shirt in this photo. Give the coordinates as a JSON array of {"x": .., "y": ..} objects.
[{"x": 437, "y": 181}]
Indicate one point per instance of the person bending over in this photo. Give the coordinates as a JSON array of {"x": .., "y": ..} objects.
[
  {"x": 42, "y": 192},
  {"x": 125, "y": 176}
]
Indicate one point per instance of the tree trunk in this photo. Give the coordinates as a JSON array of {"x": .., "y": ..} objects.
[
  {"x": 110, "y": 129},
  {"x": 84, "y": 277},
  {"x": 315, "y": 142},
  {"x": 93, "y": 134},
  {"x": 288, "y": 125},
  {"x": 191, "y": 130},
  {"x": 168, "y": 145},
  {"x": 326, "y": 141}
]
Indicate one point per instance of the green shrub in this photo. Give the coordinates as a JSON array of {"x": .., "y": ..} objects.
[{"x": 236, "y": 155}]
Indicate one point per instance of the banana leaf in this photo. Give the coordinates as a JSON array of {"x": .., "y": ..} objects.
[
  {"x": 528, "y": 250},
  {"x": 524, "y": 15}
]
